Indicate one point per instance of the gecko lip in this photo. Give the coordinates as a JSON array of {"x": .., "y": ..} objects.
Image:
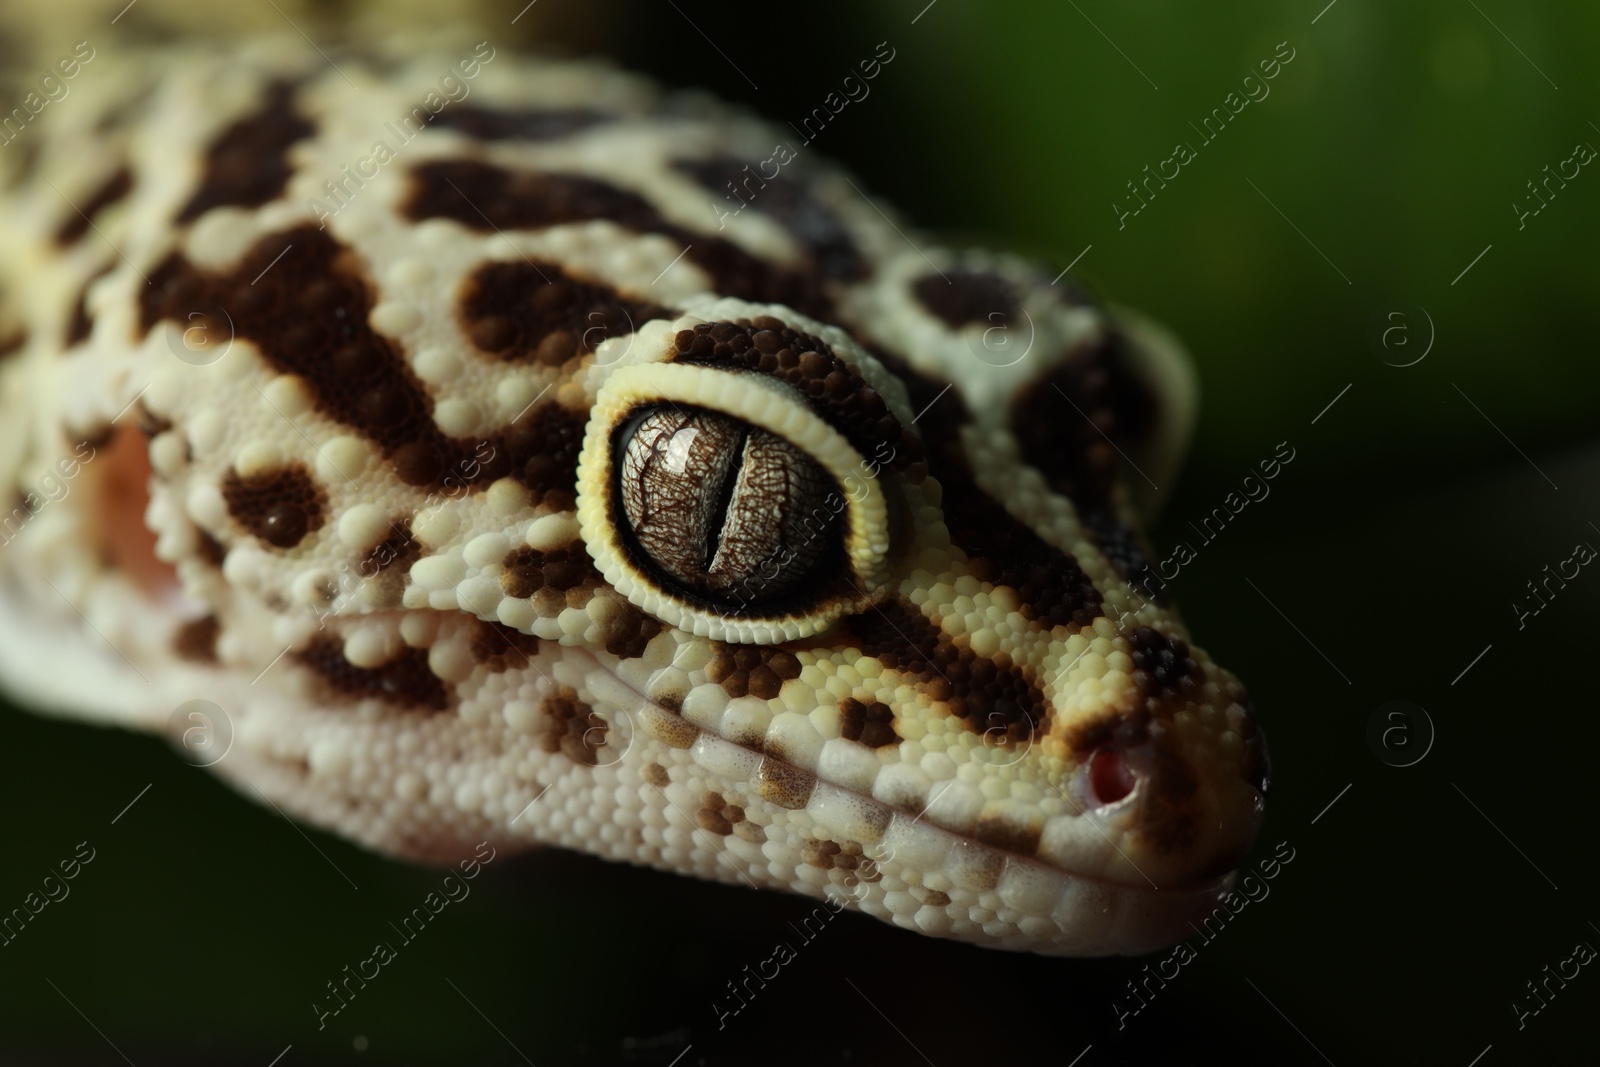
[{"x": 1092, "y": 914}]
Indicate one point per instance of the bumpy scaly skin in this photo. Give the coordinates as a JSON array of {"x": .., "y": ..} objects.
[{"x": 386, "y": 538}]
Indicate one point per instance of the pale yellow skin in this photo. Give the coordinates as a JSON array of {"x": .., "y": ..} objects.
[{"x": 948, "y": 830}]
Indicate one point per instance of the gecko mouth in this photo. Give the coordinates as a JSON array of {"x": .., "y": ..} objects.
[{"x": 1076, "y": 912}]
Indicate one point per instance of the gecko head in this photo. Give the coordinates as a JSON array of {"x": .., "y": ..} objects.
[
  {"x": 905, "y": 607},
  {"x": 456, "y": 491},
  {"x": 904, "y": 620},
  {"x": 873, "y": 600}
]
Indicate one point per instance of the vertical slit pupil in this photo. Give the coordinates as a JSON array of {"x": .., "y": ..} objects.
[{"x": 717, "y": 515}]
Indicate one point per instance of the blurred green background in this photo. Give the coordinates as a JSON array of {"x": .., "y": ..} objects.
[{"x": 1386, "y": 158}]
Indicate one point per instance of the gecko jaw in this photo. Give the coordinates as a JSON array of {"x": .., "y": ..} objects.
[{"x": 1072, "y": 912}]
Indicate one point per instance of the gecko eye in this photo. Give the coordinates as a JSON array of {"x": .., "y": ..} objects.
[
  {"x": 721, "y": 500},
  {"x": 724, "y": 509}
]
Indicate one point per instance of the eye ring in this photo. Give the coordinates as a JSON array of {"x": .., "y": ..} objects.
[{"x": 769, "y": 407}]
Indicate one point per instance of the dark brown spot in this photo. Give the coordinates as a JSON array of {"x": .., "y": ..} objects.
[
  {"x": 500, "y": 648},
  {"x": 572, "y": 728},
  {"x": 1163, "y": 667},
  {"x": 534, "y": 311},
  {"x": 784, "y": 784},
  {"x": 541, "y": 451},
  {"x": 487, "y": 198},
  {"x": 209, "y": 549},
  {"x": 656, "y": 775},
  {"x": 1067, "y": 420},
  {"x": 405, "y": 681},
  {"x": 791, "y": 204},
  {"x": 519, "y": 124},
  {"x": 840, "y": 856},
  {"x": 308, "y": 316},
  {"x": 12, "y": 342},
  {"x": 994, "y": 697},
  {"x": 280, "y": 507},
  {"x": 869, "y": 722},
  {"x": 675, "y": 732},
  {"x": 717, "y": 816},
  {"x": 1124, "y": 548},
  {"x": 1005, "y": 834},
  {"x": 112, "y": 190},
  {"x": 628, "y": 632},
  {"x": 196, "y": 640},
  {"x": 934, "y": 898},
  {"x": 525, "y": 571},
  {"x": 751, "y": 670},
  {"x": 248, "y": 164},
  {"x": 834, "y": 389},
  {"x": 1053, "y": 588},
  {"x": 816, "y": 853},
  {"x": 1126, "y": 728},
  {"x": 400, "y": 549},
  {"x": 82, "y": 323},
  {"x": 959, "y": 297}
]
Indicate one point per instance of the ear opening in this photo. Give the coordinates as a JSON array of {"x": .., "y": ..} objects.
[{"x": 119, "y": 473}]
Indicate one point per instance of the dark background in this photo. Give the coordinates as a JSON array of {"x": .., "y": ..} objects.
[{"x": 1391, "y": 549}]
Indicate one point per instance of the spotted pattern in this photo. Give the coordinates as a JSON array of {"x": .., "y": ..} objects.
[
  {"x": 717, "y": 816},
  {"x": 988, "y": 693},
  {"x": 572, "y": 728},
  {"x": 813, "y": 224},
  {"x": 113, "y": 190},
  {"x": 82, "y": 323},
  {"x": 301, "y": 299},
  {"x": 1122, "y": 547},
  {"x": 498, "y": 647},
  {"x": 531, "y": 311},
  {"x": 963, "y": 297},
  {"x": 519, "y": 124},
  {"x": 399, "y": 550},
  {"x": 752, "y": 670},
  {"x": 868, "y": 721},
  {"x": 248, "y": 165},
  {"x": 1071, "y": 422},
  {"x": 1163, "y": 666},
  {"x": 404, "y": 682},
  {"x": 1052, "y": 585},
  {"x": 487, "y": 197},
  {"x": 280, "y": 507},
  {"x": 628, "y": 632},
  {"x": 528, "y": 571},
  {"x": 840, "y": 856},
  {"x": 370, "y": 507}
]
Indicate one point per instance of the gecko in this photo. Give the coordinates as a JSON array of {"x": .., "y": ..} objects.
[{"x": 469, "y": 447}]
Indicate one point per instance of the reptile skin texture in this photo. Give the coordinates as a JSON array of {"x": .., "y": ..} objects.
[{"x": 476, "y": 447}]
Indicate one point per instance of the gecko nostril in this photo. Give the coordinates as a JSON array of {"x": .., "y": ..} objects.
[{"x": 1110, "y": 777}]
